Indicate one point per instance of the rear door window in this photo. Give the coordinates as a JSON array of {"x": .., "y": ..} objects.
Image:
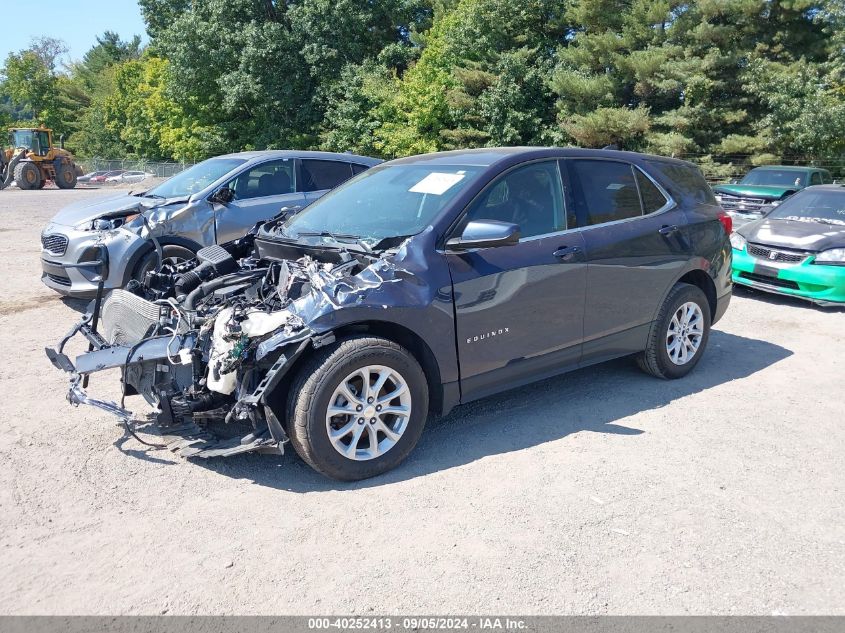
[
  {"x": 318, "y": 175},
  {"x": 602, "y": 191}
]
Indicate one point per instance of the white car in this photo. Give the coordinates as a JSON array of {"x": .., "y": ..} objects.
[{"x": 129, "y": 176}]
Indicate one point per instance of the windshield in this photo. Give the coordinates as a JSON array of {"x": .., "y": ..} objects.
[
  {"x": 825, "y": 206},
  {"x": 775, "y": 178},
  {"x": 21, "y": 138},
  {"x": 391, "y": 201},
  {"x": 195, "y": 178}
]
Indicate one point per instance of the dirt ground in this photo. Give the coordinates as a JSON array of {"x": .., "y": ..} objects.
[{"x": 603, "y": 491}]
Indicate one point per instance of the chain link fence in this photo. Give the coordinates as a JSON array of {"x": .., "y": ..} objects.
[{"x": 154, "y": 168}]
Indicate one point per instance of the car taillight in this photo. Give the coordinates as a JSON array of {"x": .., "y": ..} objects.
[{"x": 726, "y": 221}]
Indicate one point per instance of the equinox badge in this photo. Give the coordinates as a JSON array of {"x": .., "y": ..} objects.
[{"x": 486, "y": 335}]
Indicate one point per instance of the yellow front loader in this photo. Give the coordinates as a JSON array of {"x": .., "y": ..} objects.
[{"x": 32, "y": 160}]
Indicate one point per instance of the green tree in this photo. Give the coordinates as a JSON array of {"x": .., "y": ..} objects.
[
  {"x": 30, "y": 85},
  {"x": 260, "y": 72},
  {"x": 687, "y": 63},
  {"x": 480, "y": 79}
]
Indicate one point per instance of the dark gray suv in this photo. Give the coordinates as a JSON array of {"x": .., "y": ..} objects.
[{"x": 418, "y": 285}]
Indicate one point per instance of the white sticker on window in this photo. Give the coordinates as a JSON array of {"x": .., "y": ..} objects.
[
  {"x": 437, "y": 183},
  {"x": 615, "y": 185}
]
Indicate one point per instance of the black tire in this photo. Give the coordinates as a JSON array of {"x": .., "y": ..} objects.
[
  {"x": 27, "y": 176},
  {"x": 655, "y": 359},
  {"x": 169, "y": 252},
  {"x": 313, "y": 387},
  {"x": 66, "y": 176}
]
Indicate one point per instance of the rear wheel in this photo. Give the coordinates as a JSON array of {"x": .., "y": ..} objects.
[
  {"x": 28, "y": 176},
  {"x": 679, "y": 335},
  {"x": 171, "y": 254},
  {"x": 66, "y": 176},
  {"x": 357, "y": 408}
]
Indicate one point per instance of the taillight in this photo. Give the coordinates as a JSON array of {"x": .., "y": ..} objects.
[{"x": 727, "y": 222}]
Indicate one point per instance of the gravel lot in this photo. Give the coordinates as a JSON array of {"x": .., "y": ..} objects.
[{"x": 603, "y": 491}]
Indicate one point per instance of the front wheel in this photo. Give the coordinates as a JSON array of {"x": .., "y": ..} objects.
[
  {"x": 679, "y": 335},
  {"x": 357, "y": 408},
  {"x": 28, "y": 176},
  {"x": 171, "y": 254}
]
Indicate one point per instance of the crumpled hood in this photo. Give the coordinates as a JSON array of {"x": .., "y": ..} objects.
[
  {"x": 754, "y": 191},
  {"x": 87, "y": 210},
  {"x": 801, "y": 235}
]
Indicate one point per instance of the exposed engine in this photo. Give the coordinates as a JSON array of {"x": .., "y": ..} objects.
[{"x": 210, "y": 339}]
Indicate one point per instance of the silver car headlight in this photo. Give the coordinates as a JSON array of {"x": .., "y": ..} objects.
[
  {"x": 107, "y": 223},
  {"x": 835, "y": 256},
  {"x": 737, "y": 241}
]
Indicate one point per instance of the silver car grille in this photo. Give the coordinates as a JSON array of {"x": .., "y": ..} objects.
[
  {"x": 54, "y": 244},
  {"x": 773, "y": 255},
  {"x": 738, "y": 203}
]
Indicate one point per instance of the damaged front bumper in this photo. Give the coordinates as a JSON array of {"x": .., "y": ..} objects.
[{"x": 183, "y": 437}]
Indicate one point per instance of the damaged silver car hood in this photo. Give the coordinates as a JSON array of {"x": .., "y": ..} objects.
[{"x": 88, "y": 210}]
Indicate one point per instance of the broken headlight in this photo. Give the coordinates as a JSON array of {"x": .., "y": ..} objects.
[{"x": 107, "y": 223}]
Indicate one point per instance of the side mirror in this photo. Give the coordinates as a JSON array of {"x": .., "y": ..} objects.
[
  {"x": 485, "y": 234},
  {"x": 94, "y": 263},
  {"x": 286, "y": 212},
  {"x": 223, "y": 195}
]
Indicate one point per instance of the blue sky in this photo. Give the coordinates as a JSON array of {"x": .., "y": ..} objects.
[{"x": 77, "y": 23}]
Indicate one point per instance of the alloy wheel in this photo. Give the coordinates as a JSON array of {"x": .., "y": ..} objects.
[
  {"x": 368, "y": 412},
  {"x": 685, "y": 333}
]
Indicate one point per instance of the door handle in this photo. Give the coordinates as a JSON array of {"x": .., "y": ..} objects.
[
  {"x": 565, "y": 251},
  {"x": 668, "y": 230}
]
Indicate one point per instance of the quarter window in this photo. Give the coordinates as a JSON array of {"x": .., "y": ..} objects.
[
  {"x": 602, "y": 191},
  {"x": 324, "y": 174},
  {"x": 651, "y": 197},
  {"x": 273, "y": 178},
  {"x": 530, "y": 196},
  {"x": 815, "y": 178}
]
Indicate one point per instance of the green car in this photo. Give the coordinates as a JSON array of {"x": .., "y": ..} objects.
[
  {"x": 798, "y": 249},
  {"x": 763, "y": 188}
]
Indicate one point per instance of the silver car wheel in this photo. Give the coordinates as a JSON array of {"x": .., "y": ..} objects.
[
  {"x": 686, "y": 330},
  {"x": 368, "y": 412}
]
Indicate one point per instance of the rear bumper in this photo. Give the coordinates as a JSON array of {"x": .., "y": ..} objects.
[{"x": 823, "y": 285}]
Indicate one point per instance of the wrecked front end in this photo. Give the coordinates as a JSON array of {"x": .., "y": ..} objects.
[{"x": 207, "y": 343}]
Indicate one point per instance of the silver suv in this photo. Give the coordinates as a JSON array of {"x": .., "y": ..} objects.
[{"x": 213, "y": 202}]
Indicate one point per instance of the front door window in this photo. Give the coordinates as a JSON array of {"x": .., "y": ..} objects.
[{"x": 273, "y": 178}]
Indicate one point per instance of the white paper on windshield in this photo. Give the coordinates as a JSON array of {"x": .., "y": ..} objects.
[{"x": 437, "y": 183}]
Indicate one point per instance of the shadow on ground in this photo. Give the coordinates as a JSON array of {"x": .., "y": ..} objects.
[
  {"x": 588, "y": 400},
  {"x": 78, "y": 305}
]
